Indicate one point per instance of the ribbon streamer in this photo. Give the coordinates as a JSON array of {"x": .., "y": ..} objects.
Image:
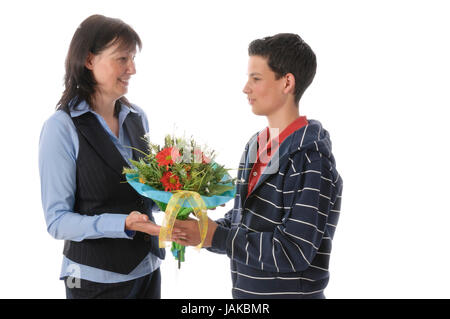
[{"x": 174, "y": 205}]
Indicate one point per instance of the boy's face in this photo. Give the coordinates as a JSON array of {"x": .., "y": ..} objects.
[{"x": 265, "y": 94}]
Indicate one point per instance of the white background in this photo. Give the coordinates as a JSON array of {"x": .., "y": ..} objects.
[{"x": 381, "y": 90}]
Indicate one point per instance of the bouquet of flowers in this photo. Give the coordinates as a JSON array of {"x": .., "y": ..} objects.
[{"x": 181, "y": 178}]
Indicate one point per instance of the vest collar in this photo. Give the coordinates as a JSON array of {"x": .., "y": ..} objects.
[{"x": 91, "y": 129}]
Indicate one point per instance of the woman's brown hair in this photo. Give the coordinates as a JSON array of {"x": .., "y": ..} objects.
[{"x": 94, "y": 35}]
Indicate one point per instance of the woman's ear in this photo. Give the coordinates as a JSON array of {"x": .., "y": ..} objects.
[
  {"x": 89, "y": 63},
  {"x": 289, "y": 84}
]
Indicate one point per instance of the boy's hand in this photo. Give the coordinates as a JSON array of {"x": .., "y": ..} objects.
[{"x": 189, "y": 233}]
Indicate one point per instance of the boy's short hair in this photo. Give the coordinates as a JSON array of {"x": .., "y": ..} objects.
[{"x": 287, "y": 53}]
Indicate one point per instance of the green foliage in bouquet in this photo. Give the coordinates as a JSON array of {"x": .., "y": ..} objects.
[{"x": 180, "y": 165}]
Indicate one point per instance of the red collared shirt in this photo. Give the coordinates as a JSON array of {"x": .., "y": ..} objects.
[{"x": 268, "y": 147}]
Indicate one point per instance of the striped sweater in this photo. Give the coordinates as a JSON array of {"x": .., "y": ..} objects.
[{"x": 279, "y": 238}]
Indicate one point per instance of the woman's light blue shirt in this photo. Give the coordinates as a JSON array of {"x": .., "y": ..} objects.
[{"x": 58, "y": 152}]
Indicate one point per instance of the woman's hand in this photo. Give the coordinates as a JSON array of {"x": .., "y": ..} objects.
[{"x": 140, "y": 222}]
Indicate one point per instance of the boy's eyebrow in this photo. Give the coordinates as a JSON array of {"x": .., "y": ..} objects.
[{"x": 254, "y": 73}]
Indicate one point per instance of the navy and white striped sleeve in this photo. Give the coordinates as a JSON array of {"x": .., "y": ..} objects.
[
  {"x": 226, "y": 220},
  {"x": 223, "y": 224},
  {"x": 293, "y": 244}
]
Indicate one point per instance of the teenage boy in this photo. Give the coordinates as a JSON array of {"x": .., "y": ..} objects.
[{"x": 279, "y": 234}]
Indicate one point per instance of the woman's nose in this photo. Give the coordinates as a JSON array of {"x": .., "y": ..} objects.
[{"x": 131, "y": 67}]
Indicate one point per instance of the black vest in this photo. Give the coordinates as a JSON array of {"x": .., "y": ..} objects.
[{"x": 101, "y": 188}]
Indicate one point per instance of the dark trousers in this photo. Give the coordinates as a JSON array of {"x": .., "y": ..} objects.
[{"x": 147, "y": 287}]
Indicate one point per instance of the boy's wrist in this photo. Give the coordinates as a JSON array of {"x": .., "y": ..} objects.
[{"x": 212, "y": 226}]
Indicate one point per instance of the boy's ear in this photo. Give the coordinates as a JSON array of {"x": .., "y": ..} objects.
[
  {"x": 289, "y": 84},
  {"x": 89, "y": 61}
]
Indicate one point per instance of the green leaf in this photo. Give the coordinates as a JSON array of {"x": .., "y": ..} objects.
[{"x": 219, "y": 189}]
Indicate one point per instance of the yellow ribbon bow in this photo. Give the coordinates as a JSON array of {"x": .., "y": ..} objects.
[{"x": 174, "y": 205}]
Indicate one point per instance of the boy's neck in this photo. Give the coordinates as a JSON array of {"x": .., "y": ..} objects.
[{"x": 283, "y": 117}]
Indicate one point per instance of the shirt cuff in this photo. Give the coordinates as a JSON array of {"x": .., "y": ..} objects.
[
  {"x": 130, "y": 233},
  {"x": 113, "y": 226}
]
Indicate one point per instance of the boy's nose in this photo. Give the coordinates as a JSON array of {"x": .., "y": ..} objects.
[{"x": 246, "y": 89}]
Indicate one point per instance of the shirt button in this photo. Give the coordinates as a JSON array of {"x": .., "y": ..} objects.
[{"x": 255, "y": 174}]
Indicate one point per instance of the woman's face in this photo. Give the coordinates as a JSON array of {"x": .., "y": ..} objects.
[{"x": 112, "y": 70}]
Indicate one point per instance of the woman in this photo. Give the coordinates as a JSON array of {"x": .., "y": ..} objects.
[{"x": 111, "y": 249}]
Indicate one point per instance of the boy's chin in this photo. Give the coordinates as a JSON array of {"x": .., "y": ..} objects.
[{"x": 258, "y": 112}]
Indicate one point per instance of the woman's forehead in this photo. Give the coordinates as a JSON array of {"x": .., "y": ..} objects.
[{"x": 121, "y": 46}]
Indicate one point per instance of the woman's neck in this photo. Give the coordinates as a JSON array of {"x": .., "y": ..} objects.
[{"x": 103, "y": 106}]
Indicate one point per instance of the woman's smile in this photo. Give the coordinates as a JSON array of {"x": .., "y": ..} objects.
[{"x": 124, "y": 81}]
